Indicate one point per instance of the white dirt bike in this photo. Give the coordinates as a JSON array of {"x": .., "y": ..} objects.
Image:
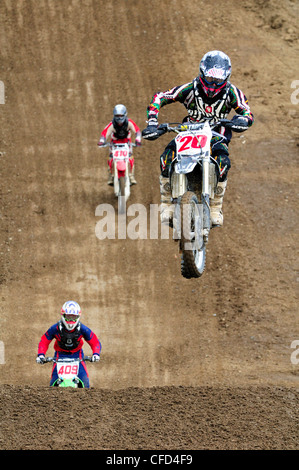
[
  {"x": 67, "y": 371},
  {"x": 121, "y": 154},
  {"x": 193, "y": 178}
]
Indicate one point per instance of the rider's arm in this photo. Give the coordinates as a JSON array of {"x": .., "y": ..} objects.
[
  {"x": 160, "y": 99},
  {"x": 133, "y": 127},
  {"x": 106, "y": 133},
  {"x": 239, "y": 103},
  {"x": 46, "y": 340},
  {"x": 92, "y": 339}
]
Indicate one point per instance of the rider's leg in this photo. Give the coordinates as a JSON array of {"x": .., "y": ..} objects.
[
  {"x": 132, "y": 172},
  {"x": 221, "y": 155},
  {"x": 217, "y": 202},
  {"x": 54, "y": 375},
  {"x": 83, "y": 374},
  {"x": 166, "y": 207},
  {"x": 110, "y": 175}
]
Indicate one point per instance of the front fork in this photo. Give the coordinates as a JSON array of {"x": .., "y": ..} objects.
[
  {"x": 205, "y": 197},
  {"x": 179, "y": 185},
  {"x": 116, "y": 177}
]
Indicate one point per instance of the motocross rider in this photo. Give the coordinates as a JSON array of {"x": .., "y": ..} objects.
[
  {"x": 119, "y": 130},
  {"x": 69, "y": 334},
  {"x": 209, "y": 96}
]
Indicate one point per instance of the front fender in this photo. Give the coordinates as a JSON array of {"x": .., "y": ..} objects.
[
  {"x": 185, "y": 165},
  {"x": 121, "y": 165}
]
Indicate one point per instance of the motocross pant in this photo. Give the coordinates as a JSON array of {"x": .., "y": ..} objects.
[
  {"x": 219, "y": 153},
  {"x": 83, "y": 373}
]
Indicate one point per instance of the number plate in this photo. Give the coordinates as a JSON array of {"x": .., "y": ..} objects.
[{"x": 68, "y": 371}]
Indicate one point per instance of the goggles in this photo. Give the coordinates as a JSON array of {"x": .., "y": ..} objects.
[
  {"x": 213, "y": 80},
  {"x": 70, "y": 318},
  {"x": 119, "y": 117}
]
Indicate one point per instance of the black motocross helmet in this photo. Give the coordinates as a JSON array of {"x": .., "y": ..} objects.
[{"x": 214, "y": 72}]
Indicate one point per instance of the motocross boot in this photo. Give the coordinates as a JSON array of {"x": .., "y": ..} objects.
[
  {"x": 216, "y": 204},
  {"x": 166, "y": 207},
  {"x": 110, "y": 178},
  {"x": 132, "y": 177}
]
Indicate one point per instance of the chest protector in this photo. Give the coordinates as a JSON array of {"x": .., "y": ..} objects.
[
  {"x": 217, "y": 108},
  {"x": 68, "y": 340},
  {"x": 121, "y": 132}
]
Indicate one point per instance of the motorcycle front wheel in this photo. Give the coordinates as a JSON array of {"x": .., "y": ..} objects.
[
  {"x": 121, "y": 197},
  {"x": 193, "y": 259}
]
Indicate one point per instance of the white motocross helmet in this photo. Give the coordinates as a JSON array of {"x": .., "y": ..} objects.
[
  {"x": 70, "y": 314},
  {"x": 120, "y": 114}
]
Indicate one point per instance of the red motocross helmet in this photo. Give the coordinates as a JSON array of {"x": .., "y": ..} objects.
[{"x": 214, "y": 72}]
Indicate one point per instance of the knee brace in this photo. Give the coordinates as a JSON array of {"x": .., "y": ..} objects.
[{"x": 224, "y": 165}]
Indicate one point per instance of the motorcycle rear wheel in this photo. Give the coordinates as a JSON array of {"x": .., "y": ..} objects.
[{"x": 193, "y": 259}]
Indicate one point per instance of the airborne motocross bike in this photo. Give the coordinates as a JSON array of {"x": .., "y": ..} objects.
[
  {"x": 67, "y": 371},
  {"x": 193, "y": 179}
]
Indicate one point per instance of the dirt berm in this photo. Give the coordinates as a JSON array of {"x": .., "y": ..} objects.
[{"x": 208, "y": 363}]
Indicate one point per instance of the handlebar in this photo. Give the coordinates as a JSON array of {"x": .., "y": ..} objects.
[
  {"x": 192, "y": 126},
  {"x": 180, "y": 127},
  {"x": 110, "y": 144},
  {"x": 66, "y": 359}
]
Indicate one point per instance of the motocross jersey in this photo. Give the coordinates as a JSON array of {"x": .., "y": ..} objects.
[
  {"x": 69, "y": 341},
  {"x": 123, "y": 135},
  {"x": 199, "y": 106}
]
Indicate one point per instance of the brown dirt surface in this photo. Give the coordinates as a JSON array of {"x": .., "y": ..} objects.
[{"x": 207, "y": 363}]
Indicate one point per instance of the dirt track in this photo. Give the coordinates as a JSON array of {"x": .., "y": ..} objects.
[{"x": 186, "y": 364}]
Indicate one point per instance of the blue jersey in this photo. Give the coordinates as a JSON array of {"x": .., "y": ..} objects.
[{"x": 69, "y": 341}]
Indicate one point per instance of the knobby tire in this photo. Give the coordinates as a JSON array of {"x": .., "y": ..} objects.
[
  {"x": 192, "y": 260},
  {"x": 122, "y": 201}
]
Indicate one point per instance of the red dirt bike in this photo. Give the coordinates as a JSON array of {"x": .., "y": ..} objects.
[{"x": 121, "y": 154}]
